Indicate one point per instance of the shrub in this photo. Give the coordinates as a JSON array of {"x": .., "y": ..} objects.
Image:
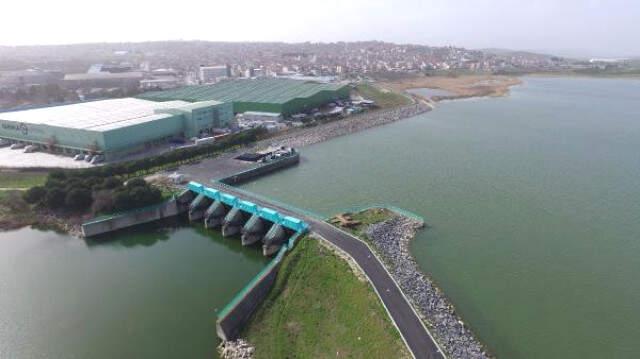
[
  {"x": 136, "y": 182},
  {"x": 111, "y": 183},
  {"x": 55, "y": 198},
  {"x": 78, "y": 199},
  {"x": 34, "y": 194}
]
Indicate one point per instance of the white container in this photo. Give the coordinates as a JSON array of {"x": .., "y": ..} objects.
[{"x": 205, "y": 140}]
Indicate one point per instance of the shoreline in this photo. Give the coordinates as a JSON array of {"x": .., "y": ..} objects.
[
  {"x": 391, "y": 239},
  {"x": 346, "y": 126}
]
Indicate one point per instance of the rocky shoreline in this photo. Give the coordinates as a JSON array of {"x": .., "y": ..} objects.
[
  {"x": 236, "y": 349},
  {"x": 391, "y": 240},
  {"x": 355, "y": 123}
]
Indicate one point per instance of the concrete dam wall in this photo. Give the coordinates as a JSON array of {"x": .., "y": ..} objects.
[{"x": 115, "y": 222}]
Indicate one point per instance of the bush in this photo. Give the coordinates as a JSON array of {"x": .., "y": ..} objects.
[
  {"x": 137, "y": 196},
  {"x": 111, "y": 183},
  {"x": 55, "y": 198},
  {"x": 78, "y": 199},
  {"x": 136, "y": 182},
  {"x": 34, "y": 194}
]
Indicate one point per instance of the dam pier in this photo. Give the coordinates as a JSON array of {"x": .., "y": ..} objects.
[{"x": 235, "y": 216}]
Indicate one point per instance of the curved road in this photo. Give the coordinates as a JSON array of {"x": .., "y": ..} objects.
[{"x": 414, "y": 333}]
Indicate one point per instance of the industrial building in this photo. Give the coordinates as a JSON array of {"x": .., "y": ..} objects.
[
  {"x": 285, "y": 96},
  {"x": 113, "y": 127}
]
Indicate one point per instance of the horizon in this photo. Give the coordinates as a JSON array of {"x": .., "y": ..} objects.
[
  {"x": 571, "y": 29},
  {"x": 568, "y": 53}
]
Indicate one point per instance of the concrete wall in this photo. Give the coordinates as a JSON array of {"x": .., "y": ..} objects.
[
  {"x": 262, "y": 170},
  {"x": 100, "y": 226},
  {"x": 237, "y": 313}
]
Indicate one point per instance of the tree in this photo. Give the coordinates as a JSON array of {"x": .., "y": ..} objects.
[
  {"x": 34, "y": 194},
  {"x": 55, "y": 198},
  {"x": 111, "y": 183},
  {"x": 136, "y": 182},
  {"x": 78, "y": 199}
]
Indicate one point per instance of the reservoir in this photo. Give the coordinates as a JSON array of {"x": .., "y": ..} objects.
[
  {"x": 533, "y": 202},
  {"x": 148, "y": 293}
]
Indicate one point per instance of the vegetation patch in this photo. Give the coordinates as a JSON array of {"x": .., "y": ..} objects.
[
  {"x": 21, "y": 180},
  {"x": 319, "y": 309},
  {"x": 357, "y": 223},
  {"x": 383, "y": 98}
]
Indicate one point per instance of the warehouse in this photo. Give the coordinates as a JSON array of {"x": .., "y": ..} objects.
[
  {"x": 285, "y": 96},
  {"x": 113, "y": 127}
]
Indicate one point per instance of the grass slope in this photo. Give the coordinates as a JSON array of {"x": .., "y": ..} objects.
[
  {"x": 22, "y": 180},
  {"x": 319, "y": 309},
  {"x": 383, "y": 98}
]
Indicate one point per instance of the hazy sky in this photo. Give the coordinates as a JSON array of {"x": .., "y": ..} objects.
[{"x": 585, "y": 27}]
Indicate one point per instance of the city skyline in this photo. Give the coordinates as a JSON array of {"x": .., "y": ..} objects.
[{"x": 572, "y": 28}]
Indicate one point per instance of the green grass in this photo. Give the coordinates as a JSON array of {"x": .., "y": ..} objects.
[
  {"x": 383, "y": 98},
  {"x": 319, "y": 309},
  {"x": 366, "y": 218},
  {"x": 22, "y": 179}
]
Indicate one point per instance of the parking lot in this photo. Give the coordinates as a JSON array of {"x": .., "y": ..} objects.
[{"x": 19, "y": 159}]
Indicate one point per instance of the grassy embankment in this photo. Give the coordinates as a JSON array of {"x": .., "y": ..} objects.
[
  {"x": 384, "y": 98},
  {"x": 318, "y": 308},
  {"x": 14, "y": 212}
]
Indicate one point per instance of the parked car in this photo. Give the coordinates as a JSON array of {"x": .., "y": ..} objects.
[
  {"x": 30, "y": 149},
  {"x": 97, "y": 159},
  {"x": 88, "y": 158},
  {"x": 17, "y": 146},
  {"x": 4, "y": 143},
  {"x": 78, "y": 157}
]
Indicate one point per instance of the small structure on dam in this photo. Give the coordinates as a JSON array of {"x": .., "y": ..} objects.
[{"x": 235, "y": 216}]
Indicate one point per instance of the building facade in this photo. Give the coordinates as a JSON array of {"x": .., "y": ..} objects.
[{"x": 113, "y": 128}]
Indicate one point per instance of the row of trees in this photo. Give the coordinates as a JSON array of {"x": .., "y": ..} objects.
[{"x": 103, "y": 195}]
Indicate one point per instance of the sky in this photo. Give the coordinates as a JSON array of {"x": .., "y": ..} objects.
[{"x": 587, "y": 28}]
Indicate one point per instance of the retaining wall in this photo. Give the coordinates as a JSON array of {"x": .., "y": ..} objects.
[
  {"x": 235, "y": 315},
  {"x": 99, "y": 226},
  {"x": 261, "y": 170}
]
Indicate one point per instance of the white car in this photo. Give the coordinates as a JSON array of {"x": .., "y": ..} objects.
[
  {"x": 78, "y": 157},
  {"x": 88, "y": 158},
  {"x": 30, "y": 149},
  {"x": 17, "y": 146}
]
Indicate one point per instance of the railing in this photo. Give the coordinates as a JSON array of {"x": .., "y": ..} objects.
[{"x": 266, "y": 199}]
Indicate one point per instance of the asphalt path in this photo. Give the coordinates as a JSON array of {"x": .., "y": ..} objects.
[{"x": 414, "y": 333}]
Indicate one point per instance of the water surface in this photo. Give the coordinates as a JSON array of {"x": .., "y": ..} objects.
[
  {"x": 534, "y": 203},
  {"x": 151, "y": 292}
]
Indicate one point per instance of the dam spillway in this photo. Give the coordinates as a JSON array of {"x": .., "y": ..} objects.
[{"x": 235, "y": 216}]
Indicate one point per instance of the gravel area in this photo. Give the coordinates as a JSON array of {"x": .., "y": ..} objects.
[
  {"x": 236, "y": 349},
  {"x": 391, "y": 240}
]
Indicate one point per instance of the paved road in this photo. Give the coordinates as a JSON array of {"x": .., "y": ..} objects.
[{"x": 414, "y": 333}]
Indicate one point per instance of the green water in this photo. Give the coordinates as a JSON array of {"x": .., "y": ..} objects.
[
  {"x": 534, "y": 203},
  {"x": 148, "y": 293}
]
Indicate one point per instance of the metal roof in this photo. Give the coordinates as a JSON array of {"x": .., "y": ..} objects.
[
  {"x": 262, "y": 90},
  {"x": 95, "y": 115}
]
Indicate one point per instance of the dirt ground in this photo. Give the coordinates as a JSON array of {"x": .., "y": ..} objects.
[{"x": 460, "y": 86}]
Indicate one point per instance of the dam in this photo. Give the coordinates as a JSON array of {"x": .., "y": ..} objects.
[{"x": 235, "y": 216}]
